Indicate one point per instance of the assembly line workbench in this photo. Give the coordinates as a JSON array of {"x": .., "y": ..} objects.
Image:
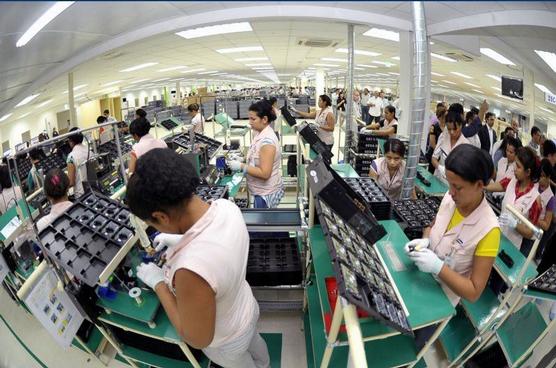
[{"x": 425, "y": 300}]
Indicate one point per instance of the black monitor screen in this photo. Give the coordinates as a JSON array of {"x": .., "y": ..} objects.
[{"x": 512, "y": 87}]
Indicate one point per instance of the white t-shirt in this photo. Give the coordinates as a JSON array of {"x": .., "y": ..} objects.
[
  {"x": 365, "y": 99},
  {"x": 77, "y": 157},
  {"x": 376, "y": 109},
  {"x": 55, "y": 211},
  {"x": 198, "y": 121},
  {"x": 216, "y": 248}
]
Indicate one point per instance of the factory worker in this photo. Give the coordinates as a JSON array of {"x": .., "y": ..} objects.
[
  {"x": 522, "y": 192},
  {"x": 448, "y": 140},
  {"x": 506, "y": 165},
  {"x": 462, "y": 244},
  {"x": 388, "y": 127},
  {"x": 197, "y": 118},
  {"x": 11, "y": 193},
  {"x": 139, "y": 129},
  {"x": 388, "y": 171},
  {"x": 34, "y": 179},
  {"x": 77, "y": 170},
  {"x": 202, "y": 285},
  {"x": 56, "y": 185},
  {"x": 548, "y": 202},
  {"x": 324, "y": 119},
  {"x": 263, "y": 165}
]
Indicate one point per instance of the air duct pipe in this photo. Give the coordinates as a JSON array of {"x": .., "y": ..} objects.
[
  {"x": 348, "y": 95},
  {"x": 421, "y": 77}
]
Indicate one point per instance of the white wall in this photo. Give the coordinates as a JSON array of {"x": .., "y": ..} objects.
[{"x": 36, "y": 123}]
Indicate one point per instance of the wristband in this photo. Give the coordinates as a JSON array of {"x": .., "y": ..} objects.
[{"x": 244, "y": 169}]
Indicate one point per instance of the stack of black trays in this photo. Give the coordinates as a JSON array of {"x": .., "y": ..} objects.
[
  {"x": 23, "y": 167},
  {"x": 373, "y": 194},
  {"x": 416, "y": 214},
  {"x": 183, "y": 141},
  {"x": 273, "y": 262},
  {"x": 55, "y": 160},
  {"x": 209, "y": 193},
  {"x": 360, "y": 275},
  {"x": 112, "y": 149},
  {"x": 545, "y": 282},
  {"x": 87, "y": 236}
]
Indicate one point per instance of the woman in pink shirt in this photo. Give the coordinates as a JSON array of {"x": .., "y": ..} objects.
[
  {"x": 139, "y": 129},
  {"x": 263, "y": 167},
  {"x": 202, "y": 285}
]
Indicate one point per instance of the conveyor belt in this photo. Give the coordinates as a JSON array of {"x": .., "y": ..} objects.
[{"x": 276, "y": 219}]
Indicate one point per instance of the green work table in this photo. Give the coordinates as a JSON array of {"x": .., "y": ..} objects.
[
  {"x": 345, "y": 170},
  {"x": 426, "y": 302},
  {"x": 437, "y": 187},
  {"x": 232, "y": 189},
  {"x": 510, "y": 274},
  {"x": 12, "y": 213}
]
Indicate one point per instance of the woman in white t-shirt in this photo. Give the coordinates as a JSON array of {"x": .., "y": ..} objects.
[
  {"x": 10, "y": 193},
  {"x": 197, "y": 118},
  {"x": 77, "y": 170},
  {"x": 324, "y": 120},
  {"x": 202, "y": 285}
]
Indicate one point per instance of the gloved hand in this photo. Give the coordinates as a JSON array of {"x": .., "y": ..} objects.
[
  {"x": 442, "y": 170},
  {"x": 507, "y": 220},
  {"x": 166, "y": 240},
  {"x": 150, "y": 274},
  {"x": 419, "y": 244},
  {"x": 235, "y": 157},
  {"x": 235, "y": 165},
  {"x": 426, "y": 261}
]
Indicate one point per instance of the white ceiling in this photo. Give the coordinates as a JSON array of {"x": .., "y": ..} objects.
[{"x": 86, "y": 25}]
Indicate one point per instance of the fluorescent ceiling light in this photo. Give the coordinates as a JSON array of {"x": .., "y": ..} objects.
[
  {"x": 160, "y": 80},
  {"x": 5, "y": 116},
  {"x": 497, "y": 88},
  {"x": 367, "y": 66},
  {"x": 495, "y": 77},
  {"x": 284, "y": 75},
  {"x": 25, "y": 115},
  {"x": 43, "y": 20},
  {"x": 193, "y": 70},
  {"x": 329, "y": 65},
  {"x": 27, "y": 99},
  {"x": 259, "y": 64},
  {"x": 462, "y": 75},
  {"x": 393, "y": 73},
  {"x": 385, "y": 63},
  {"x": 240, "y": 49},
  {"x": 438, "y": 74},
  {"x": 356, "y": 68},
  {"x": 76, "y": 88},
  {"x": 431, "y": 43},
  {"x": 396, "y": 57},
  {"x": 548, "y": 57},
  {"x": 334, "y": 59},
  {"x": 478, "y": 90},
  {"x": 216, "y": 30},
  {"x": 110, "y": 83},
  {"x": 209, "y": 72},
  {"x": 442, "y": 86},
  {"x": 450, "y": 82},
  {"x": 43, "y": 104},
  {"x": 137, "y": 67},
  {"x": 383, "y": 33},
  {"x": 139, "y": 81},
  {"x": 547, "y": 110},
  {"x": 359, "y": 52},
  {"x": 495, "y": 56},
  {"x": 172, "y": 68},
  {"x": 262, "y": 68},
  {"x": 383, "y": 74},
  {"x": 442, "y": 57},
  {"x": 543, "y": 88},
  {"x": 472, "y": 85},
  {"x": 252, "y": 59}
]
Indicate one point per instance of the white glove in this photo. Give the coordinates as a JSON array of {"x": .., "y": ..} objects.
[
  {"x": 426, "y": 261},
  {"x": 442, "y": 170},
  {"x": 235, "y": 165},
  {"x": 150, "y": 274},
  {"x": 235, "y": 157},
  {"x": 507, "y": 220},
  {"x": 417, "y": 244},
  {"x": 166, "y": 240}
]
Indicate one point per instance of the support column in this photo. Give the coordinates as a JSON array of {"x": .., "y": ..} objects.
[
  {"x": 406, "y": 75},
  {"x": 529, "y": 97},
  {"x": 71, "y": 101},
  {"x": 319, "y": 85},
  {"x": 349, "y": 90},
  {"x": 178, "y": 93}
]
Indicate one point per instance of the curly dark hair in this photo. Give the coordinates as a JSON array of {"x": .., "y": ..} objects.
[
  {"x": 140, "y": 127},
  {"x": 263, "y": 108},
  {"x": 162, "y": 181},
  {"x": 56, "y": 183}
]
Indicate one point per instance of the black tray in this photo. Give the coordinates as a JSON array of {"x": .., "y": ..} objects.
[{"x": 85, "y": 239}]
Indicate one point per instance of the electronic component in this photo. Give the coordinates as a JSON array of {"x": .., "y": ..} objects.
[
  {"x": 209, "y": 193},
  {"x": 55, "y": 160},
  {"x": 361, "y": 276},
  {"x": 416, "y": 214},
  {"x": 373, "y": 194},
  {"x": 88, "y": 236},
  {"x": 183, "y": 140},
  {"x": 423, "y": 180},
  {"x": 112, "y": 149},
  {"x": 546, "y": 281}
]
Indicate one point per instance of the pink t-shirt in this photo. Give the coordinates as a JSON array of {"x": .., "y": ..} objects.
[
  {"x": 147, "y": 143},
  {"x": 216, "y": 248}
]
